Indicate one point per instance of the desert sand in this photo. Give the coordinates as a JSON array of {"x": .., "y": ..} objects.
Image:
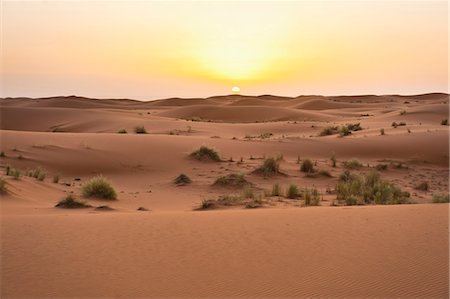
[{"x": 282, "y": 250}]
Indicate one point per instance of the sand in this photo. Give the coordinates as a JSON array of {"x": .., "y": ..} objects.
[{"x": 284, "y": 250}]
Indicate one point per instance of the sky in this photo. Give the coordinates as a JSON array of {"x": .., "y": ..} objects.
[{"x": 159, "y": 49}]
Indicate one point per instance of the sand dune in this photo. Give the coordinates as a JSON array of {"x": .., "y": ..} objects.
[{"x": 284, "y": 250}]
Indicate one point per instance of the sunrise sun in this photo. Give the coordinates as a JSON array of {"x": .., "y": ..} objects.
[{"x": 235, "y": 89}]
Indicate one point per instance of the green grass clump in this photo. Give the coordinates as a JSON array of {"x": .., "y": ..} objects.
[
  {"x": 444, "y": 122},
  {"x": 71, "y": 203},
  {"x": 423, "y": 186},
  {"x": 122, "y": 131},
  {"x": 440, "y": 198},
  {"x": 206, "y": 153},
  {"x": 232, "y": 179},
  {"x": 311, "y": 197},
  {"x": 140, "y": 130},
  {"x": 358, "y": 190},
  {"x": 276, "y": 190},
  {"x": 292, "y": 192},
  {"x": 182, "y": 180},
  {"x": 3, "y": 188},
  {"x": 270, "y": 166},
  {"x": 99, "y": 187},
  {"x": 307, "y": 166},
  {"x": 352, "y": 164}
]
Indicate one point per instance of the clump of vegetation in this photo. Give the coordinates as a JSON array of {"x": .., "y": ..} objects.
[
  {"x": 440, "y": 198},
  {"x": 2, "y": 154},
  {"x": 36, "y": 173},
  {"x": 248, "y": 192},
  {"x": 333, "y": 160},
  {"x": 307, "y": 166},
  {"x": 270, "y": 166},
  {"x": 381, "y": 167},
  {"x": 206, "y": 153},
  {"x": 444, "y": 122},
  {"x": 292, "y": 192},
  {"x": 56, "y": 179},
  {"x": 359, "y": 190},
  {"x": 403, "y": 112},
  {"x": 352, "y": 164},
  {"x": 222, "y": 201},
  {"x": 344, "y": 131},
  {"x": 122, "y": 131},
  {"x": 400, "y": 124},
  {"x": 423, "y": 186},
  {"x": 276, "y": 190},
  {"x": 329, "y": 131},
  {"x": 382, "y": 131},
  {"x": 232, "y": 179},
  {"x": 3, "y": 188},
  {"x": 104, "y": 208},
  {"x": 182, "y": 180},
  {"x": 142, "y": 209},
  {"x": 140, "y": 130},
  {"x": 15, "y": 173},
  {"x": 311, "y": 197},
  {"x": 41, "y": 176},
  {"x": 71, "y": 203},
  {"x": 354, "y": 127},
  {"x": 99, "y": 187}
]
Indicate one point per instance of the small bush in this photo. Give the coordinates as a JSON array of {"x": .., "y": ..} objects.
[
  {"x": 422, "y": 186},
  {"x": 182, "y": 180},
  {"x": 270, "y": 166},
  {"x": 2, "y": 154},
  {"x": 234, "y": 180},
  {"x": 292, "y": 192},
  {"x": 344, "y": 131},
  {"x": 15, "y": 173},
  {"x": 276, "y": 190},
  {"x": 56, "y": 179},
  {"x": 440, "y": 198},
  {"x": 71, "y": 203},
  {"x": 311, "y": 197},
  {"x": 444, "y": 122},
  {"x": 140, "y": 130},
  {"x": 206, "y": 153},
  {"x": 99, "y": 187},
  {"x": 3, "y": 188},
  {"x": 354, "y": 127},
  {"x": 382, "y": 131},
  {"x": 248, "y": 192},
  {"x": 41, "y": 176},
  {"x": 122, "y": 131},
  {"x": 333, "y": 160},
  {"x": 329, "y": 131},
  {"x": 307, "y": 166},
  {"x": 381, "y": 167},
  {"x": 352, "y": 164}
]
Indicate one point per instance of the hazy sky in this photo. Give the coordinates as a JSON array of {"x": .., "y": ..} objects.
[{"x": 149, "y": 50}]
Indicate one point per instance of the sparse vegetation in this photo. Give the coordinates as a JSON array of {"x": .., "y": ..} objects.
[
  {"x": 276, "y": 190},
  {"x": 182, "y": 180},
  {"x": 71, "y": 203},
  {"x": 140, "y": 130},
  {"x": 400, "y": 124},
  {"x": 292, "y": 192},
  {"x": 2, "y": 154},
  {"x": 230, "y": 201},
  {"x": 344, "y": 131},
  {"x": 3, "y": 188},
  {"x": 15, "y": 173},
  {"x": 403, "y": 112},
  {"x": 354, "y": 127},
  {"x": 270, "y": 166},
  {"x": 122, "y": 131},
  {"x": 440, "y": 198},
  {"x": 381, "y": 167},
  {"x": 232, "y": 179},
  {"x": 56, "y": 179},
  {"x": 99, "y": 187},
  {"x": 307, "y": 166},
  {"x": 311, "y": 197},
  {"x": 329, "y": 131},
  {"x": 444, "y": 122},
  {"x": 333, "y": 160},
  {"x": 206, "y": 153},
  {"x": 248, "y": 192},
  {"x": 382, "y": 131},
  {"x": 423, "y": 186},
  {"x": 352, "y": 164}
]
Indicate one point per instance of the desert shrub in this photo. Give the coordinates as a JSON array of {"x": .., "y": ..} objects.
[
  {"x": 400, "y": 124},
  {"x": 182, "y": 180},
  {"x": 232, "y": 179},
  {"x": 333, "y": 160},
  {"x": 222, "y": 201},
  {"x": 2, "y": 154},
  {"x": 8, "y": 170},
  {"x": 423, "y": 186},
  {"x": 352, "y": 164},
  {"x": 140, "y": 130},
  {"x": 104, "y": 208},
  {"x": 381, "y": 167},
  {"x": 403, "y": 112},
  {"x": 99, "y": 187},
  {"x": 56, "y": 179},
  {"x": 444, "y": 122},
  {"x": 440, "y": 198},
  {"x": 122, "y": 131},
  {"x": 270, "y": 166},
  {"x": 248, "y": 192},
  {"x": 36, "y": 173},
  {"x": 307, "y": 166},
  {"x": 3, "y": 188},
  {"x": 41, "y": 176},
  {"x": 71, "y": 203},
  {"x": 354, "y": 127},
  {"x": 206, "y": 153},
  {"x": 254, "y": 204},
  {"x": 329, "y": 131},
  {"x": 347, "y": 176},
  {"x": 382, "y": 131},
  {"x": 344, "y": 131},
  {"x": 311, "y": 197},
  {"x": 276, "y": 190},
  {"x": 15, "y": 173},
  {"x": 292, "y": 192}
]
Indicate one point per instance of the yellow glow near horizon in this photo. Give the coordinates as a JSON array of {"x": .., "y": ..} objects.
[
  {"x": 236, "y": 89},
  {"x": 157, "y": 49}
]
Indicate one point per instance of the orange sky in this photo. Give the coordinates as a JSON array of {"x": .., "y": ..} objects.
[{"x": 149, "y": 50}]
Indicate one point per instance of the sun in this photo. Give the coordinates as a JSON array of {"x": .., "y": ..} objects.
[{"x": 235, "y": 89}]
